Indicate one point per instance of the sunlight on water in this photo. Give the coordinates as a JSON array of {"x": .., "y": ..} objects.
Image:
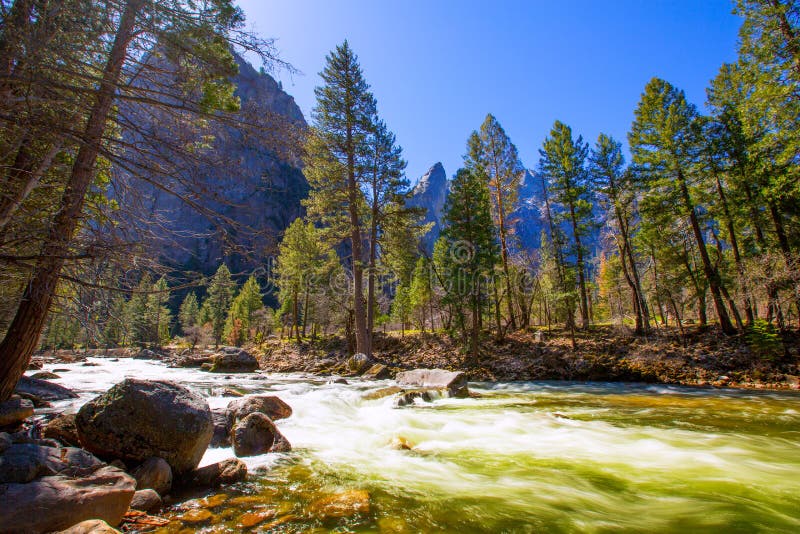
[{"x": 524, "y": 457}]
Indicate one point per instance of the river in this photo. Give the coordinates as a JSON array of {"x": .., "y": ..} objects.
[{"x": 524, "y": 457}]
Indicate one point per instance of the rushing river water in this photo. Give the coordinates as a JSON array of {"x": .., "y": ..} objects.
[{"x": 524, "y": 457}]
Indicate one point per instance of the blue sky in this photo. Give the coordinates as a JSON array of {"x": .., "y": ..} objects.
[{"x": 437, "y": 67}]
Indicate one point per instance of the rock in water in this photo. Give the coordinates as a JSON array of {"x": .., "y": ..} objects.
[
  {"x": 222, "y": 429},
  {"x": 454, "y": 382},
  {"x": 58, "y": 502},
  {"x": 257, "y": 434},
  {"x": 45, "y": 375},
  {"x": 146, "y": 500},
  {"x": 269, "y": 405},
  {"x": 63, "y": 429},
  {"x": 155, "y": 474},
  {"x": 14, "y": 411},
  {"x": 43, "y": 389},
  {"x": 139, "y": 419},
  {"x": 377, "y": 372},
  {"x": 233, "y": 360},
  {"x": 227, "y": 471},
  {"x": 358, "y": 363},
  {"x": 345, "y": 504}
]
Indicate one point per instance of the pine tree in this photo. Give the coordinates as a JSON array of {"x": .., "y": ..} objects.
[
  {"x": 337, "y": 160},
  {"x": 189, "y": 313},
  {"x": 218, "y": 301},
  {"x": 492, "y": 153},
  {"x": 471, "y": 252},
  {"x": 305, "y": 265},
  {"x": 563, "y": 161},
  {"x": 420, "y": 291},
  {"x": 242, "y": 312},
  {"x": 612, "y": 182},
  {"x": 665, "y": 151}
]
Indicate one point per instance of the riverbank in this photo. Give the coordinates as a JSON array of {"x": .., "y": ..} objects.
[{"x": 699, "y": 358}]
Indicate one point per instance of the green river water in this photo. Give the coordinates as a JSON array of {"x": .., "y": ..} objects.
[{"x": 524, "y": 457}]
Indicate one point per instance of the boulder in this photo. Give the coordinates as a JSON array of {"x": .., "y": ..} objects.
[
  {"x": 155, "y": 474},
  {"x": 139, "y": 419},
  {"x": 43, "y": 389},
  {"x": 454, "y": 382},
  {"x": 357, "y": 363},
  {"x": 58, "y": 502},
  {"x": 146, "y": 500},
  {"x": 233, "y": 360},
  {"x": 377, "y": 372},
  {"x": 227, "y": 471},
  {"x": 222, "y": 429},
  {"x": 63, "y": 429},
  {"x": 45, "y": 375},
  {"x": 91, "y": 526},
  {"x": 24, "y": 462},
  {"x": 192, "y": 361},
  {"x": 256, "y": 434},
  {"x": 14, "y": 411},
  {"x": 269, "y": 405}
]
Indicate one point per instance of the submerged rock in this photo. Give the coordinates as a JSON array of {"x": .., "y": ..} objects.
[
  {"x": 381, "y": 393},
  {"x": 14, "y": 411},
  {"x": 233, "y": 360},
  {"x": 139, "y": 419},
  {"x": 252, "y": 519},
  {"x": 156, "y": 474},
  {"x": 257, "y": 434},
  {"x": 63, "y": 429},
  {"x": 427, "y": 395},
  {"x": 55, "y": 503},
  {"x": 454, "y": 382},
  {"x": 346, "y": 504},
  {"x": 43, "y": 389},
  {"x": 227, "y": 471}
]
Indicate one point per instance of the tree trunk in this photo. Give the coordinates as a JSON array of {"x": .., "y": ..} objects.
[
  {"x": 359, "y": 316},
  {"x": 373, "y": 253},
  {"x": 22, "y": 337},
  {"x": 581, "y": 269},
  {"x": 711, "y": 274},
  {"x": 748, "y": 306}
]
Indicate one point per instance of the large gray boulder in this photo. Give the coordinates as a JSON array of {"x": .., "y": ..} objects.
[
  {"x": 454, "y": 382},
  {"x": 233, "y": 360},
  {"x": 139, "y": 419},
  {"x": 256, "y": 434},
  {"x": 14, "y": 411},
  {"x": 54, "y": 503},
  {"x": 44, "y": 389}
]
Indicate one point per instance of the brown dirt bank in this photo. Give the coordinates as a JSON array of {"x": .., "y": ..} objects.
[{"x": 702, "y": 357}]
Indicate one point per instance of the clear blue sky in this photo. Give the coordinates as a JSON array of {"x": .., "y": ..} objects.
[{"x": 437, "y": 67}]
